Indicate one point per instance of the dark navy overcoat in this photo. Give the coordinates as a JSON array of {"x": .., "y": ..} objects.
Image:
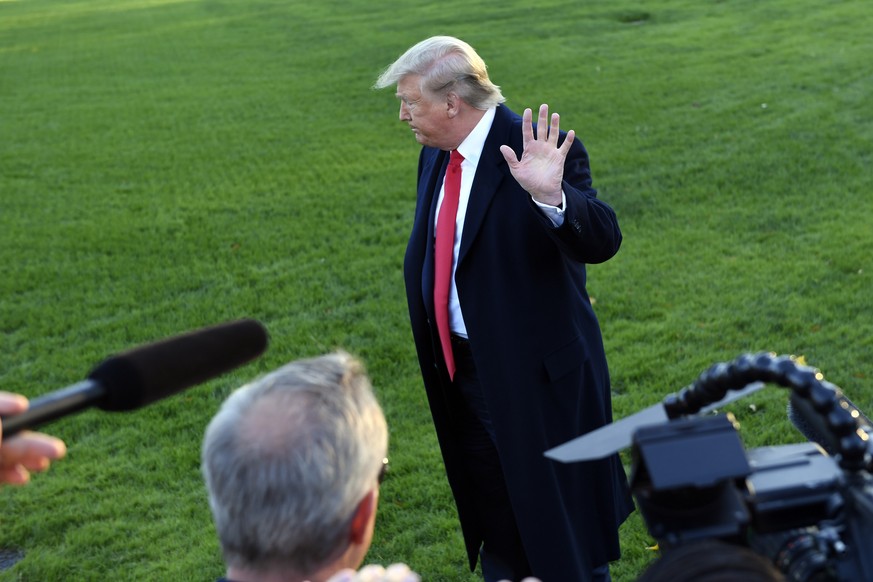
[{"x": 537, "y": 347}]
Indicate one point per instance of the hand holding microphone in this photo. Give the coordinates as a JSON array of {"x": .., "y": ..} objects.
[
  {"x": 126, "y": 381},
  {"x": 28, "y": 452}
]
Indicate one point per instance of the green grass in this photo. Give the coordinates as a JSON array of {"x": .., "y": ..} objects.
[{"x": 166, "y": 165}]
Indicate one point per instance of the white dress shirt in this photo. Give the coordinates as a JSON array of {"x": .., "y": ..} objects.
[{"x": 471, "y": 149}]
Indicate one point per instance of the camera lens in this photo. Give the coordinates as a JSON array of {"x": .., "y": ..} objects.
[{"x": 800, "y": 554}]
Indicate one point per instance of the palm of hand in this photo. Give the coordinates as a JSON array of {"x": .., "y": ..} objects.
[{"x": 540, "y": 170}]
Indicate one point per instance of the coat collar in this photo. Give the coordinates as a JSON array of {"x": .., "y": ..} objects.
[{"x": 490, "y": 173}]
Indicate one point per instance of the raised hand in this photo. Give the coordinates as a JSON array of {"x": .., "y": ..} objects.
[{"x": 541, "y": 167}]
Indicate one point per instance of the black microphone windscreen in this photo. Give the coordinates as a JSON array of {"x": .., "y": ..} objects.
[{"x": 148, "y": 373}]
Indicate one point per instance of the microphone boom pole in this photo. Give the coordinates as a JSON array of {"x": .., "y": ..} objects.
[{"x": 148, "y": 373}]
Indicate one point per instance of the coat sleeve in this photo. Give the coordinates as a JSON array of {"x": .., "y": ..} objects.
[{"x": 590, "y": 232}]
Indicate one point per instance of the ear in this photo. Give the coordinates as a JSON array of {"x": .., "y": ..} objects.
[
  {"x": 364, "y": 513},
  {"x": 453, "y": 105}
]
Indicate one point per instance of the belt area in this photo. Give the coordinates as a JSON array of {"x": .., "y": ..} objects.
[{"x": 460, "y": 344}]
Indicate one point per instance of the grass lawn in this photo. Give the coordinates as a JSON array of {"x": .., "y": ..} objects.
[{"x": 170, "y": 164}]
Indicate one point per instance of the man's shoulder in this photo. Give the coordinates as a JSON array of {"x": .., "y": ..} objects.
[
  {"x": 506, "y": 115},
  {"x": 428, "y": 155},
  {"x": 429, "y": 152},
  {"x": 505, "y": 129}
]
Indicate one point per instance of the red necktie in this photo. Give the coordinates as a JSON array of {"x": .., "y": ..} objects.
[{"x": 443, "y": 254}]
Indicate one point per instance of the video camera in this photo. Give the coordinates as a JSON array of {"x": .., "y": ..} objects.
[{"x": 806, "y": 507}]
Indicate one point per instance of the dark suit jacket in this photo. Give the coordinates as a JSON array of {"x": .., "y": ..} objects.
[{"x": 537, "y": 347}]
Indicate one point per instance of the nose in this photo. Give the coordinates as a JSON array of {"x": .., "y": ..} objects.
[{"x": 404, "y": 112}]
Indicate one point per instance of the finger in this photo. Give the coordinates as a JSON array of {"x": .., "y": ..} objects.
[
  {"x": 371, "y": 573},
  {"x": 527, "y": 126},
  {"x": 554, "y": 130},
  {"x": 35, "y": 464},
  {"x": 16, "y": 475},
  {"x": 401, "y": 573},
  {"x": 12, "y": 403},
  {"x": 542, "y": 123},
  {"x": 27, "y": 446},
  {"x": 568, "y": 141}
]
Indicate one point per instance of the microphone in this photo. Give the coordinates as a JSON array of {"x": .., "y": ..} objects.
[{"x": 145, "y": 374}]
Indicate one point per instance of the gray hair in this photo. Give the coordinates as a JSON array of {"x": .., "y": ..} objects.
[
  {"x": 288, "y": 458},
  {"x": 445, "y": 64}
]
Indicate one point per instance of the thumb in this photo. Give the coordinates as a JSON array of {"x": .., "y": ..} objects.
[{"x": 509, "y": 155}]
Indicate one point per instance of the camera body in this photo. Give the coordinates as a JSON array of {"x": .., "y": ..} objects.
[{"x": 693, "y": 479}]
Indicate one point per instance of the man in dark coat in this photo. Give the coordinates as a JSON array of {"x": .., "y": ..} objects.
[{"x": 521, "y": 368}]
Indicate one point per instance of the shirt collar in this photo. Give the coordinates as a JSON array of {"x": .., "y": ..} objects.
[{"x": 471, "y": 147}]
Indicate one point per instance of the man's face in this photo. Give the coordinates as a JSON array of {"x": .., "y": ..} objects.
[{"x": 428, "y": 119}]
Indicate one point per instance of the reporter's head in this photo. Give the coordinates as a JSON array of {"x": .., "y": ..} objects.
[
  {"x": 292, "y": 462},
  {"x": 711, "y": 560}
]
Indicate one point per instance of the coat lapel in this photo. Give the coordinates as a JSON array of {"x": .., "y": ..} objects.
[{"x": 490, "y": 173}]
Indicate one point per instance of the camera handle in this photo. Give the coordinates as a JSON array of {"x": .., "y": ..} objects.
[{"x": 837, "y": 415}]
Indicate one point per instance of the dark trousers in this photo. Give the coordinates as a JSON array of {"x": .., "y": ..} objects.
[{"x": 502, "y": 555}]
